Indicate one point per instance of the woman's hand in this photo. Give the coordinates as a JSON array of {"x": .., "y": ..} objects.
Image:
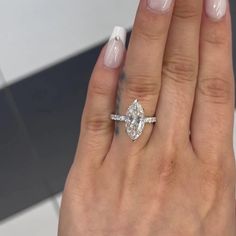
[{"x": 178, "y": 177}]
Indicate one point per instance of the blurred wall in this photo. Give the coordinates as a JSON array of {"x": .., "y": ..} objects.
[{"x": 38, "y": 33}]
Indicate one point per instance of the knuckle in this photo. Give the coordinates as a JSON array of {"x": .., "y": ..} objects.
[
  {"x": 167, "y": 168},
  {"x": 145, "y": 28},
  {"x": 216, "y": 89},
  {"x": 219, "y": 172},
  {"x": 187, "y": 10},
  {"x": 142, "y": 86},
  {"x": 147, "y": 34},
  {"x": 215, "y": 37},
  {"x": 99, "y": 87},
  {"x": 168, "y": 164},
  {"x": 180, "y": 69},
  {"x": 215, "y": 178},
  {"x": 96, "y": 123}
]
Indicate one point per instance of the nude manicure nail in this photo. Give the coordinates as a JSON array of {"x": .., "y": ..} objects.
[
  {"x": 216, "y": 9},
  {"x": 115, "y": 48},
  {"x": 159, "y": 5}
]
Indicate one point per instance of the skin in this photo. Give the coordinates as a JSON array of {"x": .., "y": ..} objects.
[{"x": 168, "y": 182}]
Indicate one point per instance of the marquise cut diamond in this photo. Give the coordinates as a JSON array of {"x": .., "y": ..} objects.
[{"x": 135, "y": 120}]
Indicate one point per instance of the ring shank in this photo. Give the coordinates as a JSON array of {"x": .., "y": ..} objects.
[
  {"x": 148, "y": 120},
  {"x": 118, "y": 117}
]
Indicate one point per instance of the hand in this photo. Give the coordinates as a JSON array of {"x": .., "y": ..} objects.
[{"x": 178, "y": 177}]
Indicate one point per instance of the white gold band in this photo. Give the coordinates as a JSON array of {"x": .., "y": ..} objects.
[{"x": 148, "y": 120}]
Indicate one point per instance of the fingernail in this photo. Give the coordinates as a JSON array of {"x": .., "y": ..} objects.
[
  {"x": 216, "y": 9},
  {"x": 115, "y": 48},
  {"x": 159, "y": 5}
]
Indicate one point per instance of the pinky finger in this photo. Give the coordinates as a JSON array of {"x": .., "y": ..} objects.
[{"x": 96, "y": 127}]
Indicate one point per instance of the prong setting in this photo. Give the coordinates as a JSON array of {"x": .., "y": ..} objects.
[{"x": 134, "y": 119}]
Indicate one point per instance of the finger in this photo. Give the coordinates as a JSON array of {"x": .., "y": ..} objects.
[
  {"x": 143, "y": 62},
  {"x": 179, "y": 75},
  {"x": 212, "y": 123},
  {"x": 96, "y": 128}
]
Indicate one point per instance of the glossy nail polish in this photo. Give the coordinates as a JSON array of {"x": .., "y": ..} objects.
[
  {"x": 159, "y": 5},
  {"x": 216, "y": 9},
  {"x": 115, "y": 48}
]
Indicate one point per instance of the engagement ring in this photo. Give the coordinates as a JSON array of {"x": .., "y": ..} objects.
[{"x": 134, "y": 119}]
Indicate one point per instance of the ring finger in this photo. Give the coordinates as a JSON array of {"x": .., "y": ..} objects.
[{"x": 143, "y": 65}]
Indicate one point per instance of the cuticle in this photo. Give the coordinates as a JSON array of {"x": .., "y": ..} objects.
[{"x": 159, "y": 12}]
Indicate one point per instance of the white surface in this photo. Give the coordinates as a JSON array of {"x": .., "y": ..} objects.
[
  {"x": 58, "y": 199},
  {"x": 41, "y": 220},
  {"x": 35, "y": 34}
]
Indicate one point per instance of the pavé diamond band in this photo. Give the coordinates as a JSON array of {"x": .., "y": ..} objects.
[
  {"x": 149, "y": 120},
  {"x": 134, "y": 119}
]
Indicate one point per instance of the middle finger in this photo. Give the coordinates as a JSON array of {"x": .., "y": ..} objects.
[{"x": 179, "y": 74}]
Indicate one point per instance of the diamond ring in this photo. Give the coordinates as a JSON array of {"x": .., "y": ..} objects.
[{"x": 134, "y": 119}]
